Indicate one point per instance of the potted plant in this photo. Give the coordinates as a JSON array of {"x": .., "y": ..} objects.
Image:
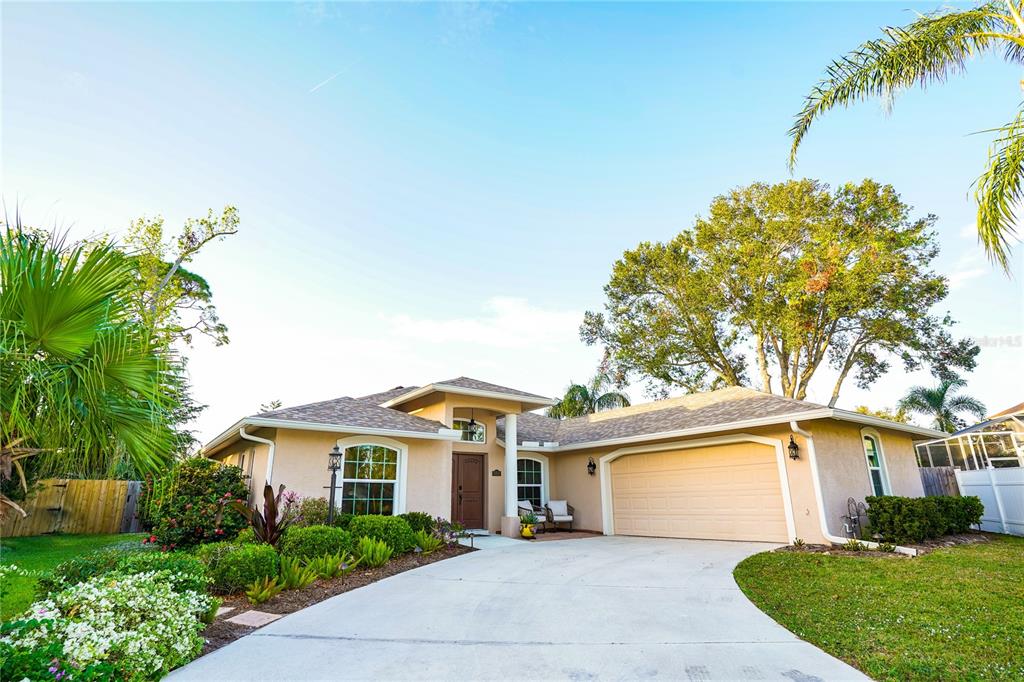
[{"x": 528, "y": 524}]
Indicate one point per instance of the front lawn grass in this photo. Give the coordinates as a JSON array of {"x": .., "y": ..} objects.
[
  {"x": 956, "y": 613},
  {"x": 42, "y": 553}
]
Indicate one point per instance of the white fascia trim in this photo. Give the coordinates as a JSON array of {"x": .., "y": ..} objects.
[
  {"x": 607, "y": 513},
  {"x": 441, "y": 434},
  {"x": 459, "y": 390},
  {"x": 824, "y": 413},
  {"x": 868, "y": 420}
]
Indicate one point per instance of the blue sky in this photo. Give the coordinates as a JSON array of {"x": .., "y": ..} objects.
[{"x": 429, "y": 190}]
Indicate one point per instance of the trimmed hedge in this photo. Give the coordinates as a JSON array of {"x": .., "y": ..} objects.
[
  {"x": 913, "y": 519},
  {"x": 310, "y": 542},
  {"x": 419, "y": 521},
  {"x": 393, "y": 530},
  {"x": 235, "y": 567},
  {"x": 82, "y": 568}
]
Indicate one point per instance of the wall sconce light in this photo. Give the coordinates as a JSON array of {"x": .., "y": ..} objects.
[
  {"x": 591, "y": 466},
  {"x": 794, "y": 449}
]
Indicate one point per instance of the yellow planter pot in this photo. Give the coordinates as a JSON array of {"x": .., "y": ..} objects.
[{"x": 527, "y": 530}]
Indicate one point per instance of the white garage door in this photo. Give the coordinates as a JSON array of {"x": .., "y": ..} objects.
[{"x": 722, "y": 492}]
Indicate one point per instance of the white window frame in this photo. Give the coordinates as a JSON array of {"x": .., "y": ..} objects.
[
  {"x": 400, "y": 475},
  {"x": 465, "y": 421},
  {"x": 883, "y": 469},
  {"x": 543, "y": 461}
]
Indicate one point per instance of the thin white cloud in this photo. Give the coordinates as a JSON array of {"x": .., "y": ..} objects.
[
  {"x": 959, "y": 278},
  {"x": 325, "y": 82}
]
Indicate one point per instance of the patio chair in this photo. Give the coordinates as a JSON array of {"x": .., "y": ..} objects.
[
  {"x": 560, "y": 511},
  {"x": 526, "y": 507}
]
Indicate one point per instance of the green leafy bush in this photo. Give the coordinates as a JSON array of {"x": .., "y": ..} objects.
[
  {"x": 331, "y": 566},
  {"x": 246, "y": 537},
  {"x": 373, "y": 552},
  {"x": 82, "y": 568},
  {"x": 313, "y": 511},
  {"x": 914, "y": 519},
  {"x": 343, "y": 521},
  {"x": 264, "y": 589},
  {"x": 419, "y": 521},
  {"x": 295, "y": 576},
  {"x": 43, "y": 662},
  {"x": 185, "y": 503},
  {"x": 187, "y": 573},
  {"x": 427, "y": 542},
  {"x": 234, "y": 567},
  {"x": 314, "y": 541},
  {"x": 393, "y": 530},
  {"x": 137, "y": 624}
]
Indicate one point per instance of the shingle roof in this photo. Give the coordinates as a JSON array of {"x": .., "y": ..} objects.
[
  {"x": 384, "y": 396},
  {"x": 476, "y": 384},
  {"x": 354, "y": 412},
  {"x": 714, "y": 408}
]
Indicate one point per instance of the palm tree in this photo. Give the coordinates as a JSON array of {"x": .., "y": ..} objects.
[
  {"x": 580, "y": 400},
  {"x": 928, "y": 51},
  {"x": 940, "y": 403},
  {"x": 82, "y": 384}
]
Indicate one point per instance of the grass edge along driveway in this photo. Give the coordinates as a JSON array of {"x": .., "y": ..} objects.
[
  {"x": 956, "y": 613},
  {"x": 43, "y": 553}
]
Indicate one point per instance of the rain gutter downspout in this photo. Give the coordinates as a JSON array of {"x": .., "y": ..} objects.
[
  {"x": 270, "y": 455},
  {"x": 813, "y": 459}
]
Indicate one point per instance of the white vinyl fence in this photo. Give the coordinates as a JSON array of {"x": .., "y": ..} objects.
[{"x": 1002, "y": 493}]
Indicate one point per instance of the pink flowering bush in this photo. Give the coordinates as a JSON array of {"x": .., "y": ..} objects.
[{"x": 192, "y": 507}]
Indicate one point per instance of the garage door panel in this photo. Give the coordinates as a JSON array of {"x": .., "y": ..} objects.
[{"x": 729, "y": 492}]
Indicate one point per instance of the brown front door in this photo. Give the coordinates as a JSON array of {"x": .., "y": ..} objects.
[{"x": 468, "y": 490}]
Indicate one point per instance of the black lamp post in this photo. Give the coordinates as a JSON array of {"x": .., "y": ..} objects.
[{"x": 333, "y": 464}]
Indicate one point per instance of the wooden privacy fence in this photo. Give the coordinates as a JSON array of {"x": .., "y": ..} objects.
[
  {"x": 63, "y": 505},
  {"x": 938, "y": 481}
]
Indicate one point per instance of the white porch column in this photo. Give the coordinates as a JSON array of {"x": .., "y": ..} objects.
[{"x": 510, "y": 521}]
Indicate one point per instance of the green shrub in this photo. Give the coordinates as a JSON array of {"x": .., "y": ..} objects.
[
  {"x": 313, "y": 511},
  {"x": 184, "y": 504},
  {"x": 428, "y": 543},
  {"x": 263, "y": 589},
  {"x": 135, "y": 623},
  {"x": 914, "y": 519},
  {"x": 313, "y": 541},
  {"x": 373, "y": 552},
  {"x": 82, "y": 568},
  {"x": 343, "y": 521},
  {"x": 187, "y": 572},
  {"x": 419, "y": 521},
  {"x": 246, "y": 537},
  {"x": 331, "y": 566},
  {"x": 393, "y": 530},
  {"x": 295, "y": 576},
  {"x": 234, "y": 567}
]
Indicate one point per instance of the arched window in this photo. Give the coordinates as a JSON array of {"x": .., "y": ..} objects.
[
  {"x": 530, "y": 480},
  {"x": 876, "y": 463},
  {"x": 369, "y": 479},
  {"x": 472, "y": 434}
]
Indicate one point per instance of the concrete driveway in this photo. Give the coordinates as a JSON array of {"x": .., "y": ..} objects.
[{"x": 597, "y": 608}]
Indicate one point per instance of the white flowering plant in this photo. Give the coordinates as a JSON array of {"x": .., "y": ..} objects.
[{"x": 135, "y": 623}]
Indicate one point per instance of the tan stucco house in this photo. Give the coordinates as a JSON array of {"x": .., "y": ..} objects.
[{"x": 716, "y": 465}]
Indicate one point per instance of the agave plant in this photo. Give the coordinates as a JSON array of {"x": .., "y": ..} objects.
[
  {"x": 82, "y": 382},
  {"x": 268, "y": 525}
]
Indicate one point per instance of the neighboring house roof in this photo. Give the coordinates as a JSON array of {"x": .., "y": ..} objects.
[
  {"x": 727, "y": 408},
  {"x": 474, "y": 387},
  {"x": 1010, "y": 411}
]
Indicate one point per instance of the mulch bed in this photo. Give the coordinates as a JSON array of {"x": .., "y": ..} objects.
[
  {"x": 564, "y": 535},
  {"x": 922, "y": 548},
  {"x": 221, "y": 632}
]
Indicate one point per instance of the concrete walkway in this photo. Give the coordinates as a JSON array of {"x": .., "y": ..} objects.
[{"x": 601, "y": 608}]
